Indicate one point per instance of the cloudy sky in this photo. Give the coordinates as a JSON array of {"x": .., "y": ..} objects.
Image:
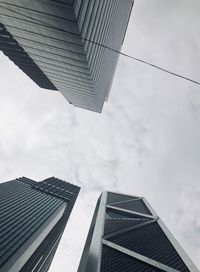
[{"x": 146, "y": 142}]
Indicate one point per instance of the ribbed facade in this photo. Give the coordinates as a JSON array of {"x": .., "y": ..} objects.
[
  {"x": 61, "y": 39},
  {"x": 32, "y": 221},
  {"x": 127, "y": 236},
  {"x": 18, "y": 55}
]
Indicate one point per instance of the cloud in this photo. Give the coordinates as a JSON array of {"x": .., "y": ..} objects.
[{"x": 146, "y": 141}]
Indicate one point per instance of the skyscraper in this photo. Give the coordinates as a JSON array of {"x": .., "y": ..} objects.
[
  {"x": 63, "y": 45},
  {"x": 33, "y": 216},
  {"x": 126, "y": 235}
]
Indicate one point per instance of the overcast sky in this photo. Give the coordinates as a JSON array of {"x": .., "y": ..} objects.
[{"x": 146, "y": 142}]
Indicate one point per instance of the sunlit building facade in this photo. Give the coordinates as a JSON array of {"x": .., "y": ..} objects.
[{"x": 65, "y": 45}]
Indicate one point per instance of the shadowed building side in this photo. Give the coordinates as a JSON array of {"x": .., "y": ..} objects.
[
  {"x": 127, "y": 235},
  {"x": 16, "y": 53},
  {"x": 33, "y": 218}
]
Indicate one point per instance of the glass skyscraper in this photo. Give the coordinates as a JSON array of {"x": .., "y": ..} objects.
[
  {"x": 33, "y": 216},
  {"x": 64, "y": 45},
  {"x": 126, "y": 235}
]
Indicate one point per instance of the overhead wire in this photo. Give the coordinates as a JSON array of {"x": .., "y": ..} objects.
[{"x": 106, "y": 47}]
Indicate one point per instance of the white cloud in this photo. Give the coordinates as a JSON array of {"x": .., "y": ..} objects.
[{"x": 146, "y": 142}]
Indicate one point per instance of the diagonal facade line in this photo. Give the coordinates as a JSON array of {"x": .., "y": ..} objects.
[
  {"x": 125, "y": 201},
  {"x": 130, "y": 241},
  {"x": 131, "y": 212},
  {"x": 140, "y": 257},
  {"x": 116, "y": 233}
]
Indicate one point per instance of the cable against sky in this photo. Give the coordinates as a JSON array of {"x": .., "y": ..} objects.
[{"x": 105, "y": 46}]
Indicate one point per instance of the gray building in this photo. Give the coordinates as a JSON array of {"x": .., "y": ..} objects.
[
  {"x": 58, "y": 44},
  {"x": 33, "y": 216},
  {"x": 126, "y": 235}
]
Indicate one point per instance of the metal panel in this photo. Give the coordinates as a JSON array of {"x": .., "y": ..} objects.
[
  {"x": 53, "y": 34},
  {"x": 10, "y": 48}
]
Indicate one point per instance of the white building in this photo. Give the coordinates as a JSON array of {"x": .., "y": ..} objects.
[{"x": 54, "y": 34}]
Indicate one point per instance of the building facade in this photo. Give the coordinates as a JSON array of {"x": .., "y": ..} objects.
[
  {"x": 64, "y": 45},
  {"x": 126, "y": 235},
  {"x": 33, "y": 218}
]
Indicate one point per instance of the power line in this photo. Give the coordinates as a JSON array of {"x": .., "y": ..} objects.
[
  {"x": 106, "y": 47},
  {"x": 145, "y": 62}
]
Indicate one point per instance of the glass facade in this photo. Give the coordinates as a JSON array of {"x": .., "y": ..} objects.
[
  {"x": 127, "y": 235},
  {"x": 33, "y": 218}
]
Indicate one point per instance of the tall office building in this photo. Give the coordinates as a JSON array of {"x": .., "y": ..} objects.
[
  {"x": 126, "y": 235},
  {"x": 33, "y": 216},
  {"x": 58, "y": 44}
]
